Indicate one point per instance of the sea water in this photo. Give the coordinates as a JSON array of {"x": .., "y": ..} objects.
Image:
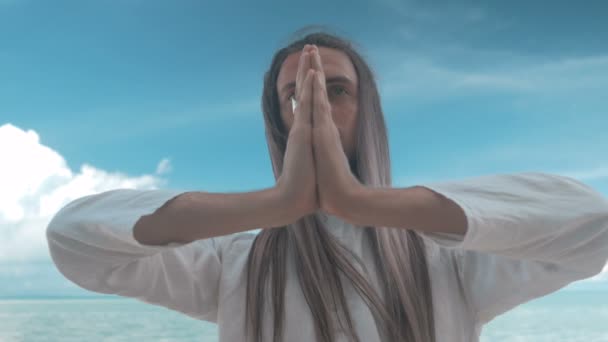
[{"x": 566, "y": 316}]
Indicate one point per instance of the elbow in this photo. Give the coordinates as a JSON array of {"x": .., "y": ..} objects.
[
  {"x": 590, "y": 198},
  {"x": 72, "y": 261},
  {"x": 604, "y": 205},
  {"x": 75, "y": 260},
  {"x": 61, "y": 250},
  {"x": 60, "y": 254}
]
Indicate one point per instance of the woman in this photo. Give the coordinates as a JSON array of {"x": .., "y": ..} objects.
[{"x": 341, "y": 256}]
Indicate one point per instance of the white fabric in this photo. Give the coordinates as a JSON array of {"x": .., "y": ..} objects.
[{"x": 529, "y": 234}]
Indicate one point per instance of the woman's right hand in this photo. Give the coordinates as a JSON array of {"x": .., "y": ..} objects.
[{"x": 297, "y": 182}]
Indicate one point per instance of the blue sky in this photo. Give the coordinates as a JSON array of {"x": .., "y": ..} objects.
[{"x": 97, "y": 95}]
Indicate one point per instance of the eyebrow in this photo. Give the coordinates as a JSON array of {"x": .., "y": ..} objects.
[{"x": 334, "y": 79}]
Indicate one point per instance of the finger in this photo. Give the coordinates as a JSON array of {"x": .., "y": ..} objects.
[
  {"x": 308, "y": 48},
  {"x": 301, "y": 75},
  {"x": 319, "y": 73},
  {"x": 303, "y": 111},
  {"x": 321, "y": 106},
  {"x": 303, "y": 66},
  {"x": 316, "y": 62}
]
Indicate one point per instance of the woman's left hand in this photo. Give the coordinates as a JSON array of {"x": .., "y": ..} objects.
[{"x": 335, "y": 181}]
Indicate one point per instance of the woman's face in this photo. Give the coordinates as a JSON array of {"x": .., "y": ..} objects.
[{"x": 342, "y": 84}]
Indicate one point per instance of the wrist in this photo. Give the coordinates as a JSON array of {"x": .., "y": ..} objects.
[
  {"x": 284, "y": 203},
  {"x": 353, "y": 202}
]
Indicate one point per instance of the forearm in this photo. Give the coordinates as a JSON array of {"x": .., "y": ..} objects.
[
  {"x": 198, "y": 215},
  {"x": 416, "y": 208}
]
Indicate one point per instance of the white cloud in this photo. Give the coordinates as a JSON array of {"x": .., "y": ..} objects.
[
  {"x": 163, "y": 167},
  {"x": 119, "y": 123},
  {"x": 419, "y": 77},
  {"x": 36, "y": 183},
  {"x": 593, "y": 174},
  {"x": 204, "y": 113},
  {"x": 581, "y": 159}
]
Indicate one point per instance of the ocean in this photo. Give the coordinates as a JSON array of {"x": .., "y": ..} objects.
[{"x": 564, "y": 316}]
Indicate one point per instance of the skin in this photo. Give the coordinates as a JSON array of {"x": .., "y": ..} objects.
[
  {"x": 342, "y": 96},
  {"x": 328, "y": 105},
  {"x": 334, "y": 117}
]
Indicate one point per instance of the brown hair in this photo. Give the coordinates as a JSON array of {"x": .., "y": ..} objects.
[{"x": 405, "y": 313}]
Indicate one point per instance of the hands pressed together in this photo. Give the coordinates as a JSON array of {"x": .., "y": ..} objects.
[{"x": 316, "y": 173}]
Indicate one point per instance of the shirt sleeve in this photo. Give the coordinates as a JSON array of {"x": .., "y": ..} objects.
[
  {"x": 529, "y": 234},
  {"x": 91, "y": 243}
]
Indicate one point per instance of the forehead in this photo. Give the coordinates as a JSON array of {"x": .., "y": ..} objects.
[{"x": 335, "y": 62}]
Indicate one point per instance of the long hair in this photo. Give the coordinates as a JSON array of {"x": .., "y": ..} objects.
[{"x": 404, "y": 312}]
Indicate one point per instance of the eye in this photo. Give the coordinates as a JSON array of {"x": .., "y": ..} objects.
[
  {"x": 342, "y": 90},
  {"x": 338, "y": 92}
]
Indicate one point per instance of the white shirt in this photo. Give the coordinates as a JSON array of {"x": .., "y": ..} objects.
[{"x": 529, "y": 234}]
